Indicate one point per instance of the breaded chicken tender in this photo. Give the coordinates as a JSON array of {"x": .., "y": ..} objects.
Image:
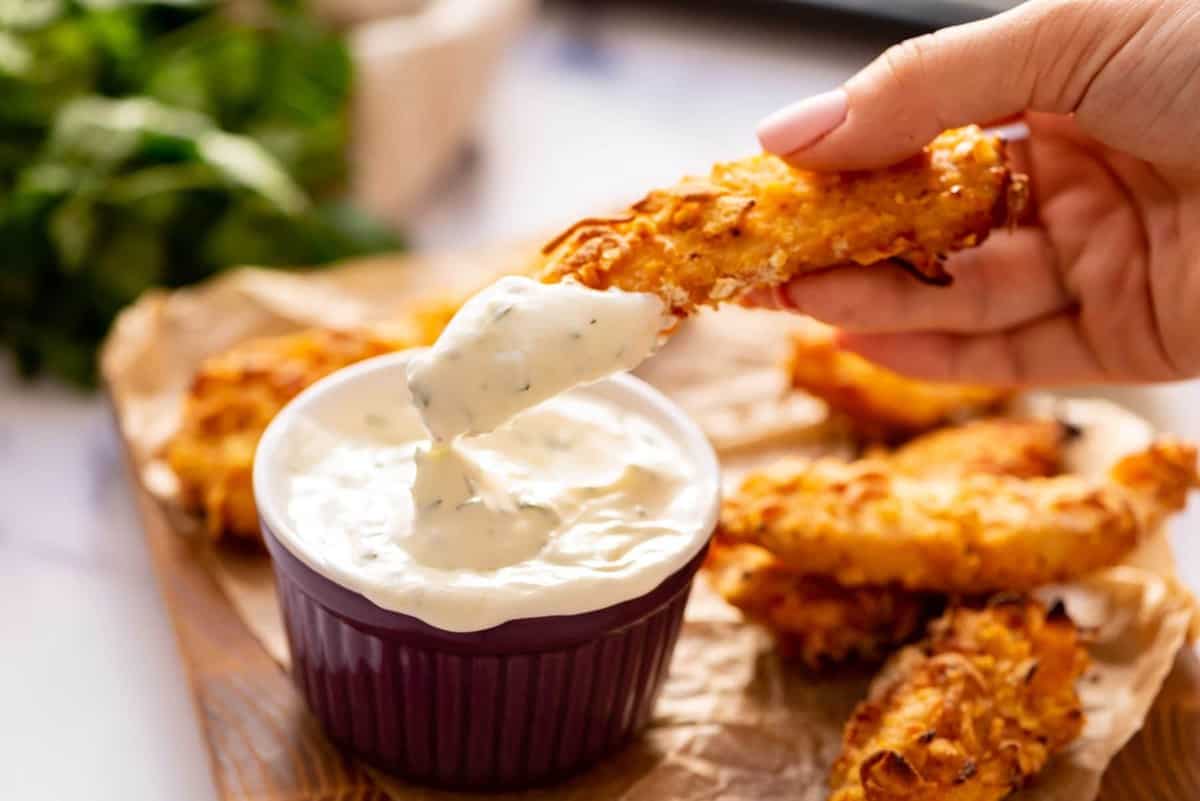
[
  {"x": 973, "y": 713},
  {"x": 235, "y": 394},
  {"x": 866, "y": 523},
  {"x": 814, "y": 619},
  {"x": 758, "y": 222},
  {"x": 821, "y": 622},
  {"x": 998, "y": 446},
  {"x": 879, "y": 403}
]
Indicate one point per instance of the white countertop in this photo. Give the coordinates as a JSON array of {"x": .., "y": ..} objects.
[{"x": 590, "y": 111}]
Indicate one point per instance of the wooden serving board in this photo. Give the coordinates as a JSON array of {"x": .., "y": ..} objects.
[
  {"x": 263, "y": 744},
  {"x": 265, "y": 747}
]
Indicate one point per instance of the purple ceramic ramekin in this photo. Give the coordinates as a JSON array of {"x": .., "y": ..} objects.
[
  {"x": 521, "y": 704},
  {"x": 525, "y": 703}
]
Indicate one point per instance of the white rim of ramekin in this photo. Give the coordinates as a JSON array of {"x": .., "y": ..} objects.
[{"x": 641, "y": 395}]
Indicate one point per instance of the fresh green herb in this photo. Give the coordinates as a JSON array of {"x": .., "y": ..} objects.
[{"x": 153, "y": 143}]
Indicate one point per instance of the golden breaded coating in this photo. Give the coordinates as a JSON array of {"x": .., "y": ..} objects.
[
  {"x": 758, "y": 222},
  {"x": 879, "y": 403},
  {"x": 999, "y": 446},
  {"x": 821, "y": 622},
  {"x": 971, "y": 714},
  {"x": 235, "y": 394},
  {"x": 865, "y": 523},
  {"x": 814, "y": 619},
  {"x": 233, "y": 397},
  {"x": 1163, "y": 476}
]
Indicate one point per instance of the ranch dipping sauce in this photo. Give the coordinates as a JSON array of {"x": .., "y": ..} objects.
[
  {"x": 608, "y": 505},
  {"x": 576, "y": 501},
  {"x": 519, "y": 342}
]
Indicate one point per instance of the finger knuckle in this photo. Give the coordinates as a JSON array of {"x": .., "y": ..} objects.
[
  {"x": 911, "y": 70},
  {"x": 904, "y": 64},
  {"x": 1072, "y": 42}
]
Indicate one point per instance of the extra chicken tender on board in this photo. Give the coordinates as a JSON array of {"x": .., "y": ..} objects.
[
  {"x": 879, "y": 403},
  {"x": 865, "y": 522},
  {"x": 821, "y": 622},
  {"x": 971, "y": 714},
  {"x": 758, "y": 222},
  {"x": 815, "y": 619},
  {"x": 998, "y": 446},
  {"x": 235, "y": 394}
]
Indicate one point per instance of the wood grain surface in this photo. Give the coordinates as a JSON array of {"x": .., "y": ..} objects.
[
  {"x": 1162, "y": 762},
  {"x": 263, "y": 744}
]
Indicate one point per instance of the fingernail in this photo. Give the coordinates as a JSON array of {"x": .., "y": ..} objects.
[{"x": 801, "y": 124}]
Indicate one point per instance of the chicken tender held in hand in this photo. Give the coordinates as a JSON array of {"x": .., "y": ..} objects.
[
  {"x": 758, "y": 222},
  {"x": 973, "y": 713},
  {"x": 880, "y": 404},
  {"x": 865, "y": 522}
]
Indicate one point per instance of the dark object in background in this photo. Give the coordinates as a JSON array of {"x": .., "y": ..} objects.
[
  {"x": 925, "y": 13},
  {"x": 872, "y": 15},
  {"x": 933, "y": 13},
  {"x": 154, "y": 144}
]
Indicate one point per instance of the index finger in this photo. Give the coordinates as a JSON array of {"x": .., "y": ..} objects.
[{"x": 1009, "y": 280}]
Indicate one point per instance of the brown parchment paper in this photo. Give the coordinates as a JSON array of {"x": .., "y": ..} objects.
[{"x": 734, "y": 722}]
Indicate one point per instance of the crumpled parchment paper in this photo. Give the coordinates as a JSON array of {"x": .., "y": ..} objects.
[{"x": 733, "y": 722}]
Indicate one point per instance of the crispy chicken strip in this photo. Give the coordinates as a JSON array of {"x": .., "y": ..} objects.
[
  {"x": 880, "y": 404},
  {"x": 866, "y": 523},
  {"x": 758, "y": 222},
  {"x": 821, "y": 622},
  {"x": 998, "y": 446},
  {"x": 235, "y": 394},
  {"x": 814, "y": 619},
  {"x": 971, "y": 714}
]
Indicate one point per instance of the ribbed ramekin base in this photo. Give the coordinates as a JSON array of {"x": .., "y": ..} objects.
[{"x": 480, "y": 722}]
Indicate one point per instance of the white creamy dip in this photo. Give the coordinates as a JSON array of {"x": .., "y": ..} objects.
[
  {"x": 519, "y": 342},
  {"x": 590, "y": 498}
]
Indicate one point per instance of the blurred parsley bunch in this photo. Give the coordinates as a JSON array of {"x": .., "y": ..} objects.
[{"x": 155, "y": 143}]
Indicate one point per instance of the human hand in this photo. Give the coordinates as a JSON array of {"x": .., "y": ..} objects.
[{"x": 1102, "y": 281}]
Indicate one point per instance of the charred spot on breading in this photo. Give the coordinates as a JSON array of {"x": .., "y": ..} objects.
[{"x": 959, "y": 717}]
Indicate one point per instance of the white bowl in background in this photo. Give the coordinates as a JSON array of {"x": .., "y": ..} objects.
[{"x": 422, "y": 70}]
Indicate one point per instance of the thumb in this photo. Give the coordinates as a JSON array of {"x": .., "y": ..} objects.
[{"x": 1042, "y": 55}]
